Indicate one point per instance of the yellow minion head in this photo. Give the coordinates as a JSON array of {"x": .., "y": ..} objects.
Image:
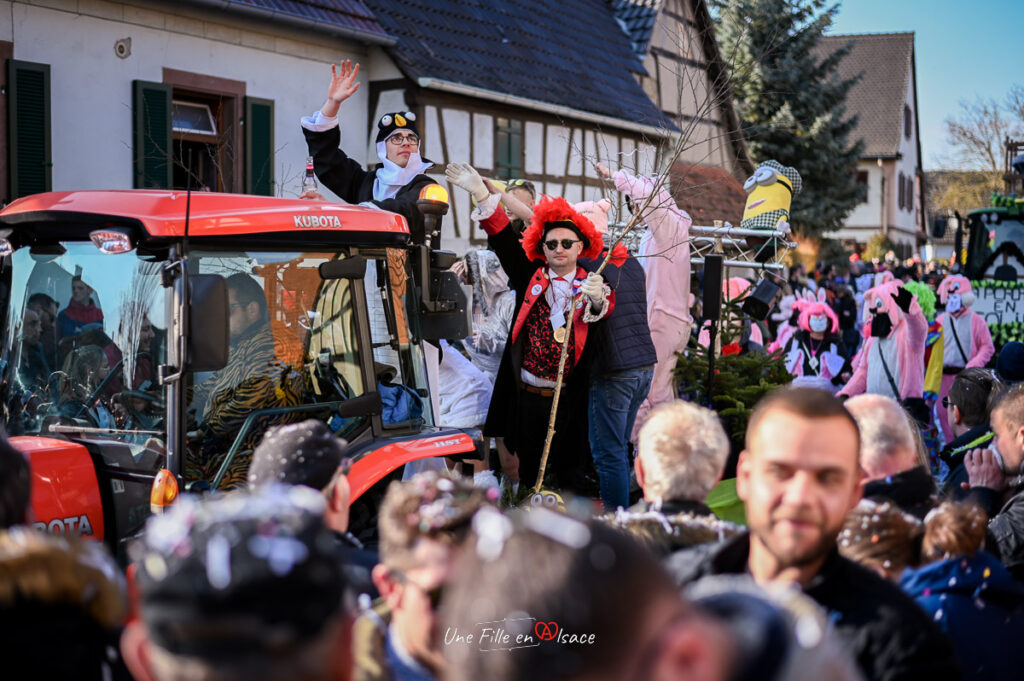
[
  {"x": 547, "y": 499},
  {"x": 770, "y": 193}
]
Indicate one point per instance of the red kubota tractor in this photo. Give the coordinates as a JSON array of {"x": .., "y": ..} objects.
[{"x": 151, "y": 337}]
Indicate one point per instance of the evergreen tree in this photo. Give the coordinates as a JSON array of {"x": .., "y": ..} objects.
[{"x": 792, "y": 103}]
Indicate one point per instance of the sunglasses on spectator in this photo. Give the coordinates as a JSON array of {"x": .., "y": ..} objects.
[
  {"x": 433, "y": 595},
  {"x": 945, "y": 402},
  {"x": 515, "y": 183},
  {"x": 552, "y": 244},
  {"x": 399, "y": 140}
]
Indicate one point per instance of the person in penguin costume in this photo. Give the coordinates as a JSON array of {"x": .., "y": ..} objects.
[{"x": 394, "y": 184}]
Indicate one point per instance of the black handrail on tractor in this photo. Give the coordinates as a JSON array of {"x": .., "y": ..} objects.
[{"x": 247, "y": 425}]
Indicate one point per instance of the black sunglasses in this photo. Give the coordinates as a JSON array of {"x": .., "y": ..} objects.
[
  {"x": 552, "y": 244},
  {"x": 945, "y": 402}
]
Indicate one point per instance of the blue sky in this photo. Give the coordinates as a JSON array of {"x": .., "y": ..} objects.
[{"x": 963, "y": 49}]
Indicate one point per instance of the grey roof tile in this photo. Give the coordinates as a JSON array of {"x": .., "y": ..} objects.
[
  {"x": 885, "y": 61},
  {"x": 571, "y": 53},
  {"x": 351, "y": 14}
]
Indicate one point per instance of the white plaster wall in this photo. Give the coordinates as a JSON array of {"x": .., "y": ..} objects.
[
  {"x": 456, "y": 128},
  {"x": 91, "y": 87},
  {"x": 483, "y": 134},
  {"x": 868, "y": 214},
  {"x": 904, "y": 219},
  {"x": 533, "y": 141},
  {"x": 558, "y": 139},
  {"x": 432, "y": 134}
]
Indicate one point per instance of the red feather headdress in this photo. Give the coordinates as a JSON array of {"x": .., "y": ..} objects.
[{"x": 546, "y": 215}]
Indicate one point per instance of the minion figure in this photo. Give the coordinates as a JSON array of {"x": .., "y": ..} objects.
[
  {"x": 770, "y": 192},
  {"x": 547, "y": 499}
]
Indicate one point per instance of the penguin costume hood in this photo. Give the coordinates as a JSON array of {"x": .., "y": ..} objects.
[{"x": 390, "y": 176}]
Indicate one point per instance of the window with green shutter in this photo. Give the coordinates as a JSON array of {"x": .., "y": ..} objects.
[
  {"x": 508, "y": 137},
  {"x": 151, "y": 134},
  {"x": 28, "y": 118},
  {"x": 259, "y": 146}
]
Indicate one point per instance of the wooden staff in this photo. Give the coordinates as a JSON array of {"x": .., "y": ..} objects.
[{"x": 565, "y": 342}]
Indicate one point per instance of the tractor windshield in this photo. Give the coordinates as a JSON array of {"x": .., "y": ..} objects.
[
  {"x": 295, "y": 353},
  {"x": 84, "y": 334}
]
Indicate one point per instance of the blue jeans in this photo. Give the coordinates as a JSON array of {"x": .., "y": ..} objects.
[{"x": 614, "y": 400}]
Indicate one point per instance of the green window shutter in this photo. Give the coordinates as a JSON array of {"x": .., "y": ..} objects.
[
  {"x": 28, "y": 118},
  {"x": 151, "y": 134},
  {"x": 259, "y": 146}
]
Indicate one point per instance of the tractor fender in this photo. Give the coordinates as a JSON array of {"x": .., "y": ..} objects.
[{"x": 380, "y": 457}]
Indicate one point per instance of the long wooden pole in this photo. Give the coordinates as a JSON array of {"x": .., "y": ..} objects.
[{"x": 568, "y": 336}]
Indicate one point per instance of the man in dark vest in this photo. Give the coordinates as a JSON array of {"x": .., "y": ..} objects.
[{"x": 622, "y": 364}]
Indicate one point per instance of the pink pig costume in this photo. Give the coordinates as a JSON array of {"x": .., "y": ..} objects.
[
  {"x": 902, "y": 350},
  {"x": 967, "y": 326},
  {"x": 665, "y": 255}
]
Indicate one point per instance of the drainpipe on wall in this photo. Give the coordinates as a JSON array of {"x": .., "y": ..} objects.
[{"x": 884, "y": 215}]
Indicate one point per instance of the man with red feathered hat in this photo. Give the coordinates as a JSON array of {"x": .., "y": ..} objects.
[{"x": 547, "y": 279}]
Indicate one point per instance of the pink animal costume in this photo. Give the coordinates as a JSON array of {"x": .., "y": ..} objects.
[
  {"x": 817, "y": 362},
  {"x": 895, "y": 331},
  {"x": 665, "y": 255},
  {"x": 966, "y": 341}
]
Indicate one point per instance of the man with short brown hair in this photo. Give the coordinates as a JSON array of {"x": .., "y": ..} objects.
[
  {"x": 799, "y": 475},
  {"x": 422, "y": 524}
]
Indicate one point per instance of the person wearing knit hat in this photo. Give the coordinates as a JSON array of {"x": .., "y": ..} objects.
[
  {"x": 545, "y": 273},
  {"x": 396, "y": 183},
  {"x": 305, "y": 453},
  {"x": 311, "y": 455},
  {"x": 246, "y": 584},
  {"x": 1010, "y": 363}
]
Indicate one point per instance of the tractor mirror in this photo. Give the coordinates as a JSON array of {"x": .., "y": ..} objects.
[
  {"x": 346, "y": 268},
  {"x": 208, "y": 322}
]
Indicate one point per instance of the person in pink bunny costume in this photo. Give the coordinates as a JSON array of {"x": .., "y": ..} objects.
[
  {"x": 891, "y": 361},
  {"x": 965, "y": 342},
  {"x": 787, "y": 315},
  {"x": 665, "y": 255},
  {"x": 815, "y": 354}
]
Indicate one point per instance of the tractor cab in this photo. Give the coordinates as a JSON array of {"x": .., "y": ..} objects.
[{"x": 156, "y": 335}]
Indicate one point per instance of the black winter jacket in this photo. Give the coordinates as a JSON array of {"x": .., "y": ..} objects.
[
  {"x": 953, "y": 454},
  {"x": 888, "y": 635},
  {"x": 913, "y": 491},
  {"x": 623, "y": 340},
  {"x": 1005, "y": 534},
  {"x": 346, "y": 178}
]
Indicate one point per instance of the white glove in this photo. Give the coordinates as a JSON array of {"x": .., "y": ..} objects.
[
  {"x": 465, "y": 176},
  {"x": 593, "y": 288}
]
